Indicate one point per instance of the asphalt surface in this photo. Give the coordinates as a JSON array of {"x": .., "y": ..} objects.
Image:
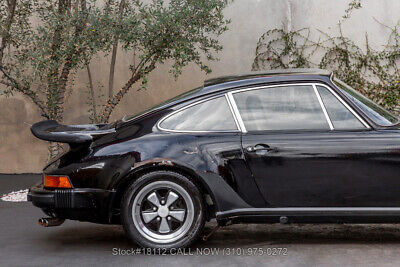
[{"x": 24, "y": 243}]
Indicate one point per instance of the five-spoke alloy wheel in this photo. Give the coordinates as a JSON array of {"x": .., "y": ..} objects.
[{"x": 163, "y": 210}]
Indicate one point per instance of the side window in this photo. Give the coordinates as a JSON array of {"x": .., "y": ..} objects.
[
  {"x": 281, "y": 108},
  {"x": 341, "y": 117},
  {"x": 211, "y": 115}
]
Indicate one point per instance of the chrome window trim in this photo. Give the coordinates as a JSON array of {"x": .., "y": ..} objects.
[
  {"x": 238, "y": 118},
  {"x": 197, "y": 103},
  {"x": 268, "y": 86},
  {"x": 236, "y": 112},
  {"x": 321, "y": 103},
  {"x": 299, "y": 84},
  {"x": 233, "y": 108}
]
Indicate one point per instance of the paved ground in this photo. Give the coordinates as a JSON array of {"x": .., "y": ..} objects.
[{"x": 24, "y": 242}]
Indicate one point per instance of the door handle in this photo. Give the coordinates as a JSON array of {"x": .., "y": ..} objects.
[{"x": 259, "y": 147}]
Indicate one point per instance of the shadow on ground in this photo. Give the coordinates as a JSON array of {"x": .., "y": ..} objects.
[{"x": 243, "y": 235}]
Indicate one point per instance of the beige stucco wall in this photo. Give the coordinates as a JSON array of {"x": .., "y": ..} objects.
[{"x": 21, "y": 152}]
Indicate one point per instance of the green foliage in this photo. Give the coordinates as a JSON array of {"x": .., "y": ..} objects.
[
  {"x": 40, "y": 59},
  {"x": 374, "y": 73},
  {"x": 177, "y": 31},
  {"x": 17, "y": 28},
  {"x": 354, "y": 4}
]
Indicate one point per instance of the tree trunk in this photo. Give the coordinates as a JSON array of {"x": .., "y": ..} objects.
[
  {"x": 53, "y": 81},
  {"x": 66, "y": 69},
  {"x": 114, "y": 55},
  {"x": 92, "y": 94},
  {"x": 112, "y": 69},
  {"x": 6, "y": 33}
]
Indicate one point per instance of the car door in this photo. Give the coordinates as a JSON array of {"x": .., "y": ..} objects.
[
  {"x": 307, "y": 148},
  {"x": 209, "y": 142}
]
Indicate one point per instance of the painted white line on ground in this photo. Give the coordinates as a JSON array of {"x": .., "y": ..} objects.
[{"x": 16, "y": 196}]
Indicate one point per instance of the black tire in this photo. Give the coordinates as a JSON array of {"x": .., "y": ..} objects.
[{"x": 136, "y": 189}]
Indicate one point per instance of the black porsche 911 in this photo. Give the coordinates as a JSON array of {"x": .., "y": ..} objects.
[{"x": 291, "y": 146}]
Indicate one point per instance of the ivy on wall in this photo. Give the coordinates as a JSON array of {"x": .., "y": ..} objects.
[{"x": 374, "y": 73}]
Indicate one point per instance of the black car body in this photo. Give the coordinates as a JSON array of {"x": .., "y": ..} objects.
[{"x": 316, "y": 155}]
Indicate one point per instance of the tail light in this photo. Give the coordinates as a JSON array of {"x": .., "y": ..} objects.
[{"x": 56, "y": 181}]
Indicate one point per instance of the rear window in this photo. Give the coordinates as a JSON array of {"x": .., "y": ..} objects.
[{"x": 211, "y": 115}]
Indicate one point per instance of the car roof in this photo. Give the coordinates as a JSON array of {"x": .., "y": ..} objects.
[
  {"x": 255, "y": 78},
  {"x": 219, "y": 84},
  {"x": 266, "y": 74}
]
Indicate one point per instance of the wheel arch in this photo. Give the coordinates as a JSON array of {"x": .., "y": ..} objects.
[{"x": 162, "y": 165}]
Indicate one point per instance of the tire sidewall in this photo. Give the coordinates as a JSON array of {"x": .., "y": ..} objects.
[{"x": 133, "y": 190}]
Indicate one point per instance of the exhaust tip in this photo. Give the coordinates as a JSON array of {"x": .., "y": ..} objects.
[{"x": 48, "y": 222}]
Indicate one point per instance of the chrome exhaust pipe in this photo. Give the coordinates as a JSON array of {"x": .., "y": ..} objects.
[{"x": 49, "y": 222}]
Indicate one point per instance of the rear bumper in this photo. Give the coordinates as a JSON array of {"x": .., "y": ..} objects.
[
  {"x": 79, "y": 198},
  {"x": 87, "y": 204}
]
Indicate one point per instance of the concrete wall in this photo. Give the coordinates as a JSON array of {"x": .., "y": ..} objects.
[{"x": 21, "y": 152}]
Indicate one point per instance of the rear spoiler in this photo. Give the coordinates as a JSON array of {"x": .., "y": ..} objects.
[{"x": 51, "y": 130}]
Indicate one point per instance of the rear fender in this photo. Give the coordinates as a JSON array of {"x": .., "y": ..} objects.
[{"x": 222, "y": 195}]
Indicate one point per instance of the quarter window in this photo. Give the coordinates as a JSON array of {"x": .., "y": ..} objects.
[
  {"x": 375, "y": 112},
  {"x": 281, "y": 108},
  {"x": 212, "y": 115},
  {"x": 340, "y": 116}
]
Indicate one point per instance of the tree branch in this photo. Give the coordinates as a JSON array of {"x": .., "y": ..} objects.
[
  {"x": 6, "y": 83},
  {"x": 137, "y": 74},
  {"x": 14, "y": 84}
]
